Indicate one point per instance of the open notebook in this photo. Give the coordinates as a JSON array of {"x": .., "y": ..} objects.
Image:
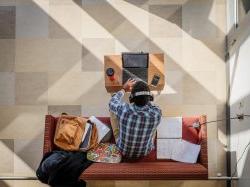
[{"x": 170, "y": 144}]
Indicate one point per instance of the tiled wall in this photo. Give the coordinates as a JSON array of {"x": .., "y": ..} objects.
[{"x": 51, "y": 61}]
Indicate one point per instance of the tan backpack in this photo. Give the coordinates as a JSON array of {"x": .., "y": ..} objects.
[{"x": 69, "y": 132}]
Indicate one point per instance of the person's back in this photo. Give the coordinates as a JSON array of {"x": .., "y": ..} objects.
[{"x": 137, "y": 121}]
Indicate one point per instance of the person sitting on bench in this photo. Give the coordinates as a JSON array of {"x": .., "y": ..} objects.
[{"x": 136, "y": 122}]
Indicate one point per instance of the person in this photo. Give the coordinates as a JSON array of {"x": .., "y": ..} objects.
[{"x": 137, "y": 120}]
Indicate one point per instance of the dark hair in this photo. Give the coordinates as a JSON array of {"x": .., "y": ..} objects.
[{"x": 141, "y": 100}]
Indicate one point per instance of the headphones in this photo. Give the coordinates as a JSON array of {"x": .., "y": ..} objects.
[{"x": 146, "y": 93}]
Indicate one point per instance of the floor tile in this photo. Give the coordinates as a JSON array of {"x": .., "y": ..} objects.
[
  {"x": 165, "y": 20},
  {"x": 56, "y": 110},
  {"x": 7, "y": 22},
  {"x": 7, "y": 55},
  {"x": 33, "y": 57},
  {"x": 64, "y": 55},
  {"x": 7, "y": 88},
  {"x": 6, "y": 156},
  {"x": 31, "y": 88},
  {"x": 94, "y": 51},
  {"x": 31, "y": 21},
  {"x": 22, "y": 122}
]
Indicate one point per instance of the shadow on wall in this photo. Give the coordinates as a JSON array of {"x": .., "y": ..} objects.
[{"x": 133, "y": 40}]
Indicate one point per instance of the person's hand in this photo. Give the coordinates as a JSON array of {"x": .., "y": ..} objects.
[{"x": 129, "y": 85}]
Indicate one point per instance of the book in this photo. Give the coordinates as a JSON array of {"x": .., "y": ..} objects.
[
  {"x": 170, "y": 127},
  {"x": 86, "y": 141}
]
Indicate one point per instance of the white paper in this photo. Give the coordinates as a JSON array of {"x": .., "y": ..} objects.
[
  {"x": 165, "y": 147},
  {"x": 186, "y": 152},
  {"x": 170, "y": 127},
  {"x": 102, "y": 129}
]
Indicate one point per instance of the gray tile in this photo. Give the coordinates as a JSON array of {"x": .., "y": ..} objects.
[
  {"x": 7, "y": 156},
  {"x": 7, "y": 55},
  {"x": 165, "y": 21},
  {"x": 31, "y": 22},
  {"x": 7, "y": 88},
  {"x": 56, "y": 110},
  {"x": 7, "y": 22},
  {"x": 31, "y": 88}
]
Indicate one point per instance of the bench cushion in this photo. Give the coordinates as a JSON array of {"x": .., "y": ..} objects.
[{"x": 144, "y": 171}]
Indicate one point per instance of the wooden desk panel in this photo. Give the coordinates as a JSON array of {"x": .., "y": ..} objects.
[{"x": 156, "y": 67}]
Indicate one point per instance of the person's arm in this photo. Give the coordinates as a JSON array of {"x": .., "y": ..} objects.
[{"x": 116, "y": 103}]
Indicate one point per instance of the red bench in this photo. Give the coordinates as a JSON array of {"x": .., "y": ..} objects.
[{"x": 147, "y": 168}]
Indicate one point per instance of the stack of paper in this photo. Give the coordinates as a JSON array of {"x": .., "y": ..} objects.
[{"x": 102, "y": 129}]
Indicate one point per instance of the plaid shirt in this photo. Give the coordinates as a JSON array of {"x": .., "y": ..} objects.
[{"x": 137, "y": 126}]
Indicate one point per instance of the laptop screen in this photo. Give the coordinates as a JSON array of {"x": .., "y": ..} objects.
[{"x": 135, "y": 60}]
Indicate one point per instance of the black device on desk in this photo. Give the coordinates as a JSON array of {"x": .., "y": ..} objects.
[{"x": 135, "y": 66}]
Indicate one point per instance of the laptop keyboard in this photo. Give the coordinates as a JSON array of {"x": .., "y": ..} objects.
[{"x": 135, "y": 73}]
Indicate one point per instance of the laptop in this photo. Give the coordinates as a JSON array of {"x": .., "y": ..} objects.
[{"x": 135, "y": 66}]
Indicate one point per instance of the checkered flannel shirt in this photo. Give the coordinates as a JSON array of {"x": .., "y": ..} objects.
[{"x": 137, "y": 126}]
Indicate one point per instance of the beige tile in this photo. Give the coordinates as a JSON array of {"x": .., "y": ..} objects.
[
  {"x": 165, "y": 21},
  {"x": 127, "y": 44},
  {"x": 33, "y": 57},
  {"x": 188, "y": 183},
  {"x": 172, "y": 48},
  {"x": 7, "y": 22},
  {"x": 86, "y": 88},
  {"x": 91, "y": 28},
  {"x": 93, "y": 53},
  {"x": 7, "y": 55},
  {"x": 25, "y": 183},
  {"x": 116, "y": 18},
  {"x": 28, "y": 154},
  {"x": 65, "y": 2},
  {"x": 189, "y": 110},
  {"x": 20, "y": 122},
  {"x": 56, "y": 110},
  {"x": 172, "y": 92},
  {"x": 198, "y": 19},
  {"x": 101, "y": 183},
  {"x": 65, "y": 55},
  {"x": 31, "y": 21},
  {"x": 99, "y": 111},
  {"x": 6, "y": 156},
  {"x": 209, "y": 54},
  {"x": 6, "y": 183},
  {"x": 199, "y": 87},
  {"x": 31, "y": 88},
  {"x": 7, "y": 88},
  {"x": 132, "y": 183},
  {"x": 57, "y": 31},
  {"x": 61, "y": 24}
]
